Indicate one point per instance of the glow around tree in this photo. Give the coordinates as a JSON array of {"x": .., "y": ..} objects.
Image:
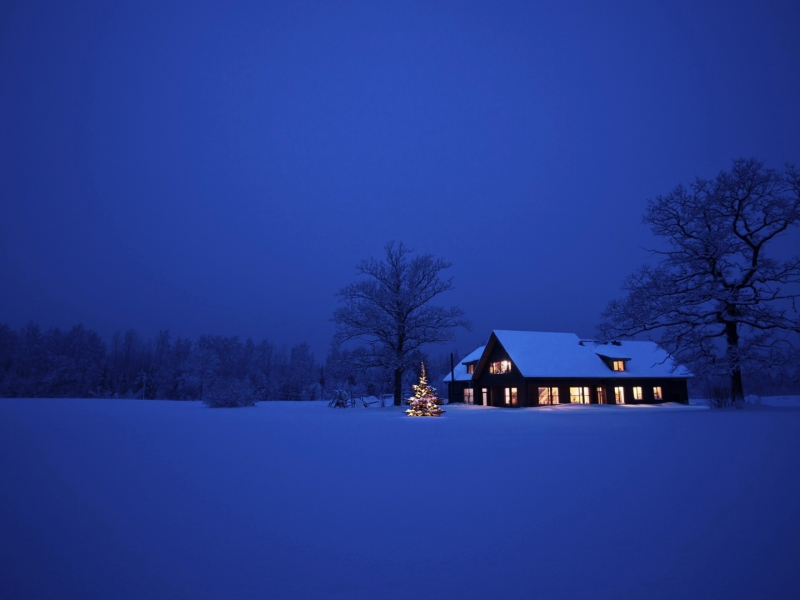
[{"x": 423, "y": 402}]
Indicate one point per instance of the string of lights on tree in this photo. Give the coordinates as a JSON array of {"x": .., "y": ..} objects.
[{"x": 423, "y": 403}]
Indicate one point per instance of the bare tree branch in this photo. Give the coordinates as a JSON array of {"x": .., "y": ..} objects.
[
  {"x": 389, "y": 309},
  {"x": 716, "y": 281}
]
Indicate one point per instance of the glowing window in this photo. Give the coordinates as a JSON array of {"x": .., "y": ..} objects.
[
  {"x": 619, "y": 395},
  {"x": 548, "y": 395},
  {"x": 470, "y": 368},
  {"x": 503, "y": 366},
  {"x": 485, "y": 394},
  {"x": 469, "y": 396},
  {"x": 657, "y": 393},
  {"x": 511, "y": 396},
  {"x": 637, "y": 392},
  {"x": 618, "y": 365},
  {"x": 579, "y": 395}
]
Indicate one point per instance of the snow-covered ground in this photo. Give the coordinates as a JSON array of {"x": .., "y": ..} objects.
[{"x": 137, "y": 499}]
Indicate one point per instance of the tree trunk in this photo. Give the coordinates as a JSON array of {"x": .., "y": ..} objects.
[
  {"x": 737, "y": 388},
  {"x": 735, "y": 363},
  {"x": 398, "y": 386}
]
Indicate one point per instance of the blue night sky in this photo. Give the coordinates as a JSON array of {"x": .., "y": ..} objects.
[{"x": 221, "y": 167}]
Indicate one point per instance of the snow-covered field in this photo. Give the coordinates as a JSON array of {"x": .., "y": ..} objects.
[{"x": 136, "y": 499}]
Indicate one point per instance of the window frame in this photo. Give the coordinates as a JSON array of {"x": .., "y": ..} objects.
[
  {"x": 638, "y": 394},
  {"x": 510, "y": 396},
  {"x": 583, "y": 395},
  {"x": 618, "y": 363},
  {"x": 500, "y": 367},
  {"x": 469, "y": 396},
  {"x": 552, "y": 396},
  {"x": 658, "y": 393}
]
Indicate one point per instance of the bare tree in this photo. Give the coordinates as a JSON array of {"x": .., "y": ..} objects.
[
  {"x": 718, "y": 298},
  {"x": 390, "y": 311}
]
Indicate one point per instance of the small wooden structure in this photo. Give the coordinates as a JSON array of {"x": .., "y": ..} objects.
[{"x": 341, "y": 399}]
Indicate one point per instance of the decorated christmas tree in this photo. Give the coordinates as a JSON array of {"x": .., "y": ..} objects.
[{"x": 423, "y": 403}]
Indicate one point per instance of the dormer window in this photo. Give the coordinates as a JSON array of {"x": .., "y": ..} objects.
[
  {"x": 502, "y": 366},
  {"x": 618, "y": 365},
  {"x": 471, "y": 368}
]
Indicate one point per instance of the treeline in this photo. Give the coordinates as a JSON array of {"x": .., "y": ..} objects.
[{"x": 78, "y": 363}]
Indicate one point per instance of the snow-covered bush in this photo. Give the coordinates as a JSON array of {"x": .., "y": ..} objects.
[
  {"x": 230, "y": 394},
  {"x": 718, "y": 395}
]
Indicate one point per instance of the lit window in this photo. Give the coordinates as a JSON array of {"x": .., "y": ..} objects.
[
  {"x": 470, "y": 368},
  {"x": 503, "y": 366},
  {"x": 485, "y": 394},
  {"x": 619, "y": 395},
  {"x": 637, "y": 392},
  {"x": 469, "y": 397},
  {"x": 657, "y": 393},
  {"x": 579, "y": 395},
  {"x": 548, "y": 395},
  {"x": 618, "y": 365},
  {"x": 511, "y": 396},
  {"x": 601, "y": 395}
]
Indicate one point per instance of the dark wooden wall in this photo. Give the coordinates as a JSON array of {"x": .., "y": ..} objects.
[{"x": 672, "y": 390}]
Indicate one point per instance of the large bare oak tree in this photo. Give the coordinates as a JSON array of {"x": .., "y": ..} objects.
[
  {"x": 389, "y": 310},
  {"x": 719, "y": 299}
]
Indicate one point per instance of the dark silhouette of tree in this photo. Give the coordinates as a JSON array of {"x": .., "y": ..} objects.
[
  {"x": 719, "y": 299},
  {"x": 8, "y": 352},
  {"x": 77, "y": 363},
  {"x": 390, "y": 311},
  {"x": 301, "y": 374}
]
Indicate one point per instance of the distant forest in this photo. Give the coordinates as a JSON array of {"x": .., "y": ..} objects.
[{"x": 77, "y": 363}]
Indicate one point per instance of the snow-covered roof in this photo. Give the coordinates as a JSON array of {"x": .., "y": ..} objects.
[
  {"x": 612, "y": 350},
  {"x": 546, "y": 354},
  {"x": 460, "y": 369}
]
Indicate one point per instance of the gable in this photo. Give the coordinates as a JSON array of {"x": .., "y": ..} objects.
[{"x": 494, "y": 353}]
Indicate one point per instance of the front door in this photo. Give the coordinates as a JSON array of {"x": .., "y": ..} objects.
[{"x": 601, "y": 395}]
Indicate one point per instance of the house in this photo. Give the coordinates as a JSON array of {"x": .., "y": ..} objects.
[{"x": 535, "y": 368}]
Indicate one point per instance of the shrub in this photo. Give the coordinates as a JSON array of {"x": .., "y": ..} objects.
[
  {"x": 230, "y": 394},
  {"x": 719, "y": 396}
]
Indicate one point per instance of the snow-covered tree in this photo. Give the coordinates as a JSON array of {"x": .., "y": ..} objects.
[
  {"x": 390, "y": 311},
  {"x": 720, "y": 300}
]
